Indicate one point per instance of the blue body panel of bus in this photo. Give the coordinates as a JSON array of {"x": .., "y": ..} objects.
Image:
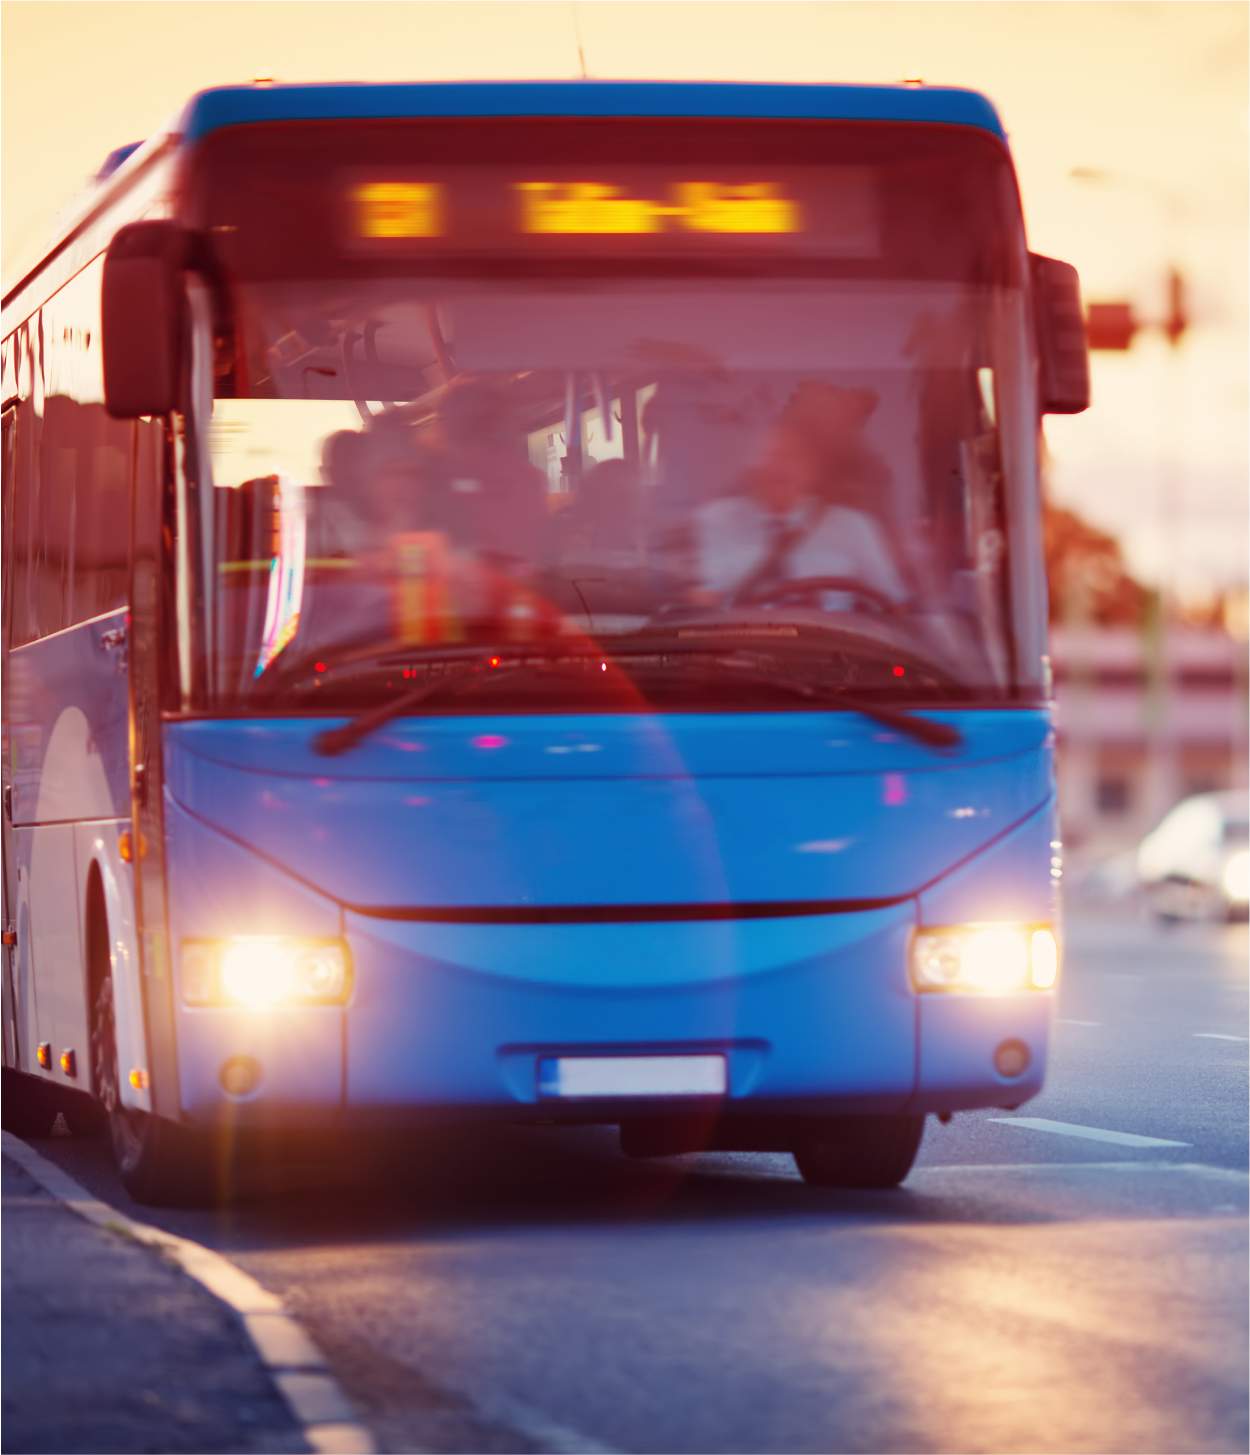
[
  {"x": 239, "y": 105},
  {"x": 517, "y": 887}
]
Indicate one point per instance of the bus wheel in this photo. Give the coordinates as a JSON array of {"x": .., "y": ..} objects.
[
  {"x": 863, "y": 1151},
  {"x": 159, "y": 1163},
  {"x": 28, "y": 1106}
]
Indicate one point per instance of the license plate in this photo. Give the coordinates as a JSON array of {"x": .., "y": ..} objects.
[{"x": 584, "y": 1076}]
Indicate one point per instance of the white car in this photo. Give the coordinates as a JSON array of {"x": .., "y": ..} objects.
[{"x": 1196, "y": 864}]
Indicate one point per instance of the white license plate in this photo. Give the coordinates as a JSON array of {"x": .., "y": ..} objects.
[{"x": 580, "y": 1076}]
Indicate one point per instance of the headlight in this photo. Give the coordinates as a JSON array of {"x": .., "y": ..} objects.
[
  {"x": 1236, "y": 876},
  {"x": 262, "y": 972},
  {"x": 985, "y": 959}
]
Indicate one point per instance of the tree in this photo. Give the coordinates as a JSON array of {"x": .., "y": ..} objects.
[{"x": 1089, "y": 581}]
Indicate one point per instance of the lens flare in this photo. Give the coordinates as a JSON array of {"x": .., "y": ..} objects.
[
  {"x": 257, "y": 973},
  {"x": 261, "y": 972}
]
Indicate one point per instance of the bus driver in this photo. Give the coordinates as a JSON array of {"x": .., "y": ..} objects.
[{"x": 800, "y": 512}]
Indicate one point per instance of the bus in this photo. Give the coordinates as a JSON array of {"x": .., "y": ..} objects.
[{"x": 526, "y": 602}]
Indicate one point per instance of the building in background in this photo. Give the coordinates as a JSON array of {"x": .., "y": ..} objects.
[{"x": 1144, "y": 720}]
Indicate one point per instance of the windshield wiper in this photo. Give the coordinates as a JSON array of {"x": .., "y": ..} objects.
[
  {"x": 369, "y": 650},
  {"x": 473, "y": 671},
  {"x": 923, "y": 729},
  {"x": 460, "y": 672}
]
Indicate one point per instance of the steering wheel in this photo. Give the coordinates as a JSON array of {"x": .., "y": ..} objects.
[{"x": 771, "y": 591}]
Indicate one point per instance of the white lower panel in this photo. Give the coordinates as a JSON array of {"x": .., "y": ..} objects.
[{"x": 608, "y": 1076}]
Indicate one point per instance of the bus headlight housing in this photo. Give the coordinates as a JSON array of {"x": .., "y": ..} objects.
[
  {"x": 265, "y": 972},
  {"x": 985, "y": 959}
]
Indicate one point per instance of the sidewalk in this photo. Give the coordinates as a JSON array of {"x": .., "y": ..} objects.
[{"x": 107, "y": 1346}]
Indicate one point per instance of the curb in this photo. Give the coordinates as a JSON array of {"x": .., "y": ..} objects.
[{"x": 291, "y": 1359}]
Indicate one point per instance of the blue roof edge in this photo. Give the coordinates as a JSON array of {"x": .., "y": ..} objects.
[{"x": 238, "y": 105}]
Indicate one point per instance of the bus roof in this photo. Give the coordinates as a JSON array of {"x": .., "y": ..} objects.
[
  {"x": 261, "y": 101},
  {"x": 237, "y": 105}
]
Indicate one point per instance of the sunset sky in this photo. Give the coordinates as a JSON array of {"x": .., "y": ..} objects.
[{"x": 1151, "y": 96}]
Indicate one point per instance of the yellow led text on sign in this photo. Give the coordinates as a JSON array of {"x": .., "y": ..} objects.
[
  {"x": 399, "y": 209},
  {"x": 752, "y": 208},
  {"x": 595, "y": 207}
]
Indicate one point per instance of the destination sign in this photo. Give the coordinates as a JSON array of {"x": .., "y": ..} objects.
[
  {"x": 418, "y": 209},
  {"x": 827, "y": 212}
]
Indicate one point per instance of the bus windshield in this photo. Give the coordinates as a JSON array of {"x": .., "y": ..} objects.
[{"x": 817, "y": 454}]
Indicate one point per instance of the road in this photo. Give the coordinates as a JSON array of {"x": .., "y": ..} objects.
[{"x": 1068, "y": 1278}]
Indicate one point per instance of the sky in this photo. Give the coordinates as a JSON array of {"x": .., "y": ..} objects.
[{"x": 1149, "y": 98}]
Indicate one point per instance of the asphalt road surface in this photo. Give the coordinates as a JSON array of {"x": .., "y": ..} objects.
[{"x": 1068, "y": 1278}]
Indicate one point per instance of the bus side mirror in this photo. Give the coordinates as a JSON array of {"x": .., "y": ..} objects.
[
  {"x": 1062, "y": 346},
  {"x": 142, "y": 319}
]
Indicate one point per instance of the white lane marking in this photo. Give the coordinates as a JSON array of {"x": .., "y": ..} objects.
[
  {"x": 1193, "y": 1169},
  {"x": 1203, "y": 1169},
  {"x": 1063, "y": 1022},
  {"x": 1089, "y": 1134},
  {"x": 1218, "y": 1036},
  {"x": 289, "y": 1356},
  {"x": 497, "y": 1408}
]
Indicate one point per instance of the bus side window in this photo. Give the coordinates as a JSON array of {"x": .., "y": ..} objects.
[
  {"x": 8, "y": 484},
  {"x": 52, "y": 544},
  {"x": 24, "y": 624},
  {"x": 102, "y": 524},
  {"x": 84, "y": 498}
]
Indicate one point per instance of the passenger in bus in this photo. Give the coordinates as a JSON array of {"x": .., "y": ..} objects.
[
  {"x": 482, "y": 489},
  {"x": 373, "y": 491},
  {"x": 802, "y": 511},
  {"x": 604, "y": 523}
]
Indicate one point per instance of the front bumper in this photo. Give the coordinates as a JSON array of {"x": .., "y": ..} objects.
[{"x": 814, "y": 1014}]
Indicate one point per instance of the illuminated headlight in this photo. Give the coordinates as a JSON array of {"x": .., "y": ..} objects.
[
  {"x": 985, "y": 959},
  {"x": 263, "y": 972},
  {"x": 1236, "y": 876}
]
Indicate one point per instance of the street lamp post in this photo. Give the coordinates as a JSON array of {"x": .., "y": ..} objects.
[{"x": 1160, "y": 725}]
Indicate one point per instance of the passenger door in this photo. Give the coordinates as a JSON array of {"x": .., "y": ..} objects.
[{"x": 8, "y": 910}]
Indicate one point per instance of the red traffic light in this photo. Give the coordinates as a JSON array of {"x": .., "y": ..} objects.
[
  {"x": 1178, "y": 310},
  {"x": 1110, "y": 325}
]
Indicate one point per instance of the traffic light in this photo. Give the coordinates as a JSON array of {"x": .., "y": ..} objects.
[
  {"x": 1177, "y": 320},
  {"x": 1115, "y": 325},
  {"x": 1110, "y": 325}
]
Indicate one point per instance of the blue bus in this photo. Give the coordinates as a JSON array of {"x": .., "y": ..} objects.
[{"x": 525, "y": 601}]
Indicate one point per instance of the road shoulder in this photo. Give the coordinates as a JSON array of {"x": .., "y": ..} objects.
[{"x": 119, "y": 1336}]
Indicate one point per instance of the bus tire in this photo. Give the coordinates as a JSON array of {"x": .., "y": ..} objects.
[
  {"x": 159, "y": 1163},
  {"x": 28, "y": 1106},
  {"x": 859, "y": 1151}
]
